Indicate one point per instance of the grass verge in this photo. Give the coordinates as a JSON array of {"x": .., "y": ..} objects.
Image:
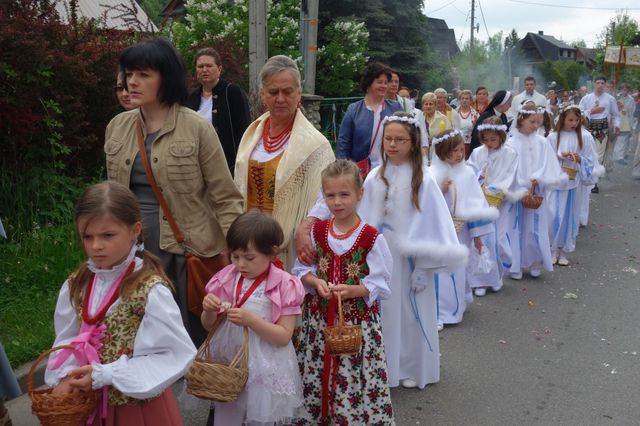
[{"x": 33, "y": 266}]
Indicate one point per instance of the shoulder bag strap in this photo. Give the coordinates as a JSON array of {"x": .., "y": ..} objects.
[{"x": 177, "y": 233}]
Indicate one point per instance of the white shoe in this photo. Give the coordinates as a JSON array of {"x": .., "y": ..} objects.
[
  {"x": 440, "y": 327},
  {"x": 563, "y": 261},
  {"x": 554, "y": 259},
  {"x": 409, "y": 383},
  {"x": 535, "y": 271},
  {"x": 480, "y": 291},
  {"x": 516, "y": 275}
]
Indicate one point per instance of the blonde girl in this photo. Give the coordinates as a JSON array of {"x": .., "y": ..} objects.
[
  {"x": 538, "y": 172},
  {"x": 467, "y": 204},
  {"x": 353, "y": 260},
  {"x": 252, "y": 292},
  {"x": 118, "y": 312},
  {"x": 574, "y": 148},
  {"x": 403, "y": 201}
]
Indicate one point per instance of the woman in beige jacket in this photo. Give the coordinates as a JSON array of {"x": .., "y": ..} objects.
[{"x": 186, "y": 159}]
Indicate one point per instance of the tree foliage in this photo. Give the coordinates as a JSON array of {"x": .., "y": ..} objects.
[
  {"x": 567, "y": 74},
  {"x": 623, "y": 27},
  {"x": 483, "y": 65},
  {"x": 225, "y": 26}
]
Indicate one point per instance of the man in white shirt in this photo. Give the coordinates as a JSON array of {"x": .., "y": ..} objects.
[
  {"x": 601, "y": 108},
  {"x": 529, "y": 94}
]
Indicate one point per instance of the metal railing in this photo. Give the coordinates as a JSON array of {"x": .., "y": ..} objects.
[{"x": 332, "y": 111}]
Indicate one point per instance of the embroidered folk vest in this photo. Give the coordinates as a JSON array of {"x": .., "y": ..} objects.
[
  {"x": 349, "y": 268},
  {"x": 122, "y": 326},
  {"x": 261, "y": 187}
]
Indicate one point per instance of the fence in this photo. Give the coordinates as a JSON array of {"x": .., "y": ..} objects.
[{"x": 332, "y": 111}]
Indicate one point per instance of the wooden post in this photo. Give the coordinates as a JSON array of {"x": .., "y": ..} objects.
[
  {"x": 309, "y": 43},
  {"x": 257, "y": 41}
]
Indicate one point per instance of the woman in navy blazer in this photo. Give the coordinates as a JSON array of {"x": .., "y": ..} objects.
[{"x": 361, "y": 129}]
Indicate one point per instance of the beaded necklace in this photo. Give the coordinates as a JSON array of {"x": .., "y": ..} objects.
[
  {"x": 347, "y": 234},
  {"x": 275, "y": 143}
]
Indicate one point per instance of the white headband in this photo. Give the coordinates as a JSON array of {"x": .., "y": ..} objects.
[
  {"x": 496, "y": 127},
  {"x": 408, "y": 120},
  {"x": 452, "y": 134},
  {"x": 571, "y": 106},
  {"x": 530, "y": 111},
  {"x": 507, "y": 96}
]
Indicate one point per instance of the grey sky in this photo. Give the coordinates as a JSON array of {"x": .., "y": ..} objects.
[{"x": 567, "y": 23}]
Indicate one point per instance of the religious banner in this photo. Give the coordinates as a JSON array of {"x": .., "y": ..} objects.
[
  {"x": 612, "y": 55},
  {"x": 632, "y": 56}
]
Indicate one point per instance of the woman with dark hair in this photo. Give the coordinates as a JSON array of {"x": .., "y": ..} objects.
[
  {"x": 224, "y": 104},
  {"x": 361, "y": 129},
  {"x": 482, "y": 99},
  {"x": 183, "y": 154},
  {"x": 499, "y": 105}
]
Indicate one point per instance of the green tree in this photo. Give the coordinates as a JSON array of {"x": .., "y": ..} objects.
[
  {"x": 512, "y": 39},
  {"x": 622, "y": 27},
  {"x": 484, "y": 65},
  {"x": 566, "y": 74}
]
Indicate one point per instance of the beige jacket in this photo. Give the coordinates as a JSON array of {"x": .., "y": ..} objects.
[{"x": 190, "y": 168}]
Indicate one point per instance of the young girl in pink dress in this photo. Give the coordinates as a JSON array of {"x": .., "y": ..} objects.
[
  {"x": 118, "y": 312},
  {"x": 353, "y": 260},
  {"x": 253, "y": 292}
]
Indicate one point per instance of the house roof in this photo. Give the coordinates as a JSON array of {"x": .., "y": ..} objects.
[
  {"x": 114, "y": 13},
  {"x": 442, "y": 39},
  {"x": 546, "y": 47},
  {"x": 173, "y": 8}
]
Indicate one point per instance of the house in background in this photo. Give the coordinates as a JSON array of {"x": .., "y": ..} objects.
[
  {"x": 586, "y": 57},
  {"x": 442, "y": 39},
  {"x": 536, "y": 48},
  {"x": 117, "y": 14}
]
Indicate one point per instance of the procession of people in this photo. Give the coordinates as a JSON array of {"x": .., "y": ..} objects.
[{"x": 423, "y": 207}]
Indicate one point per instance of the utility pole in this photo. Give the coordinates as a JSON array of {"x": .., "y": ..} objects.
[
  {"x": 473, "y": 19},
  {"x": 257, "y": 41},
  {"x": 309, "y": 43}
]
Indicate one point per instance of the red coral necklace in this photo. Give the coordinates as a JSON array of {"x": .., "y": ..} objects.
[{"x": 275, "y": 143}]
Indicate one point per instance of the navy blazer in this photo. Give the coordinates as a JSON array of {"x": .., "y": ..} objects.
[{"x": 356, "y": 130}]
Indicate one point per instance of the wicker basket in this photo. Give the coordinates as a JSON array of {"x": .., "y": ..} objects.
[
  {"x": 343, "y": 339},
  {"x": 66, "y": 409},
  {"x": 532, "y": 201},
  {"x": 572, "y": 172},
  {"x": 214, "y": 381},
  {"x": 493, "y": 198},
  {"x": 458, "y": 222}
]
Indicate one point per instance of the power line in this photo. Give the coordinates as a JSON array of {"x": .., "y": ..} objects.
[
  {"x": 485, "y": 22},
  {"x": 441, "y": 7},
  {"x": 573, "y": 7}
]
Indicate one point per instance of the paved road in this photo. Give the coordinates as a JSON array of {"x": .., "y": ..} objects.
[{"x": 563, "y": 349}]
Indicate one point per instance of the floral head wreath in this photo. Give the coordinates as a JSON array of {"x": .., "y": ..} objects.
[
  {"x": 541, "y": 110},
  {"x": 452, "y": 134},
  {"x": 394, "y": 118},
  {"x": 495, "y": 127},
  {"x": 571, "y": 106},
  {"x": 538, "y": 110}
]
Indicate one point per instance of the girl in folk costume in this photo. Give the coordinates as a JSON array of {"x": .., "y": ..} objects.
[
  {"x": 538, "y": 172},
  {"x": 118, "y": 312},
  {"x": 473, "y": 215},
  {"x": 495, "y": 165},
  {"x": 254, "y": 293},
  {"x": 577, "y": 154},
  {"x": 403, "y": 201},
  {"x": 353, "y": 260}
]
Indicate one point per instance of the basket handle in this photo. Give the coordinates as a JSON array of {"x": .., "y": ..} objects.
[
  {"x": 204, "y": 350},
  {"x": 455, "y": 199},
  {"x": 38, "y": 360},
  {"x": 340, "y": 317}
]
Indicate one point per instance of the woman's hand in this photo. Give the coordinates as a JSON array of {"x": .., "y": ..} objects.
[
  {"x": 350, "y": 291},
  {"x": 241, "y": 317},
  {"x": 80, "y": 378},
  {"x": 211, "y": 303},
  {"x": 477, "y": 242},
  {"x": 302, "y": 238}
]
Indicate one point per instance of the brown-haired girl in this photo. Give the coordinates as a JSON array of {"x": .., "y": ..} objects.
[
  {"x": 403, "y": 201},
  {"x": 539, "y": 173},
  {"x": 466, "y": 203},
  {"x": 252, "y": 292},
  {"x": 353, "y": 260},
  {"x": 575, "y": 149},
  {"x": 118, "y": 312},
  {"x": 495, "y": 165}
]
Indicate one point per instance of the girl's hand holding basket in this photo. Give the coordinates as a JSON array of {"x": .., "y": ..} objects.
[
  {"x": 241, "y": 317},
  {"x": 350, "y": 291},
  {"x": 211, "y": 303},
  {"x": 81, "y": 378}
]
